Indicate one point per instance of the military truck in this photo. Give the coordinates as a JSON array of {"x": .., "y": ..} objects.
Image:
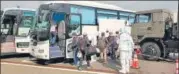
[{"x": 156, "y": 33}]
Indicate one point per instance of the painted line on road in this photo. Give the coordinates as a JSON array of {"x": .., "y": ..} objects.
[
  {"x": 26, "y": 61},
  {"x": 43, "y": 67},
  {"x": 61, "y": 66}
]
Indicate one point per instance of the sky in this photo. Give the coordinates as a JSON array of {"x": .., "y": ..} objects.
[{"x": 131, "y": 5}]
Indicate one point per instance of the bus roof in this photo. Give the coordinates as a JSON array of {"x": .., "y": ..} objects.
[
  {"x": 13, "y": 8},
  {"x": 92, "y": 4}
]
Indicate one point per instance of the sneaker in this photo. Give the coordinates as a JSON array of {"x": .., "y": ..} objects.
[
  {"x": 79, "y": 68},
  {"x": 89, "y": 67},
  {"x": 122, "y": 72}
]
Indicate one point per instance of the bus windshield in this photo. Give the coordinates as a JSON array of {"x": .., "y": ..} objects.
[
  {"x": 27, "y": 21},
  {"x": 42, "y": 26},
  {"x": 43, "y": 17}
]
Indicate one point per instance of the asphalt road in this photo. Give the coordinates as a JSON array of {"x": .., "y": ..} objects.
[
  {"x": 22, "y": 65},
  {"x": 9, "y": 68}
]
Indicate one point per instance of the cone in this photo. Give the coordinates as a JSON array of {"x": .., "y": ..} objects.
[
  {"x": 131, "y": 63},
  {"x": 177, "y": 66},
  {"x": 135, "y": 62}
]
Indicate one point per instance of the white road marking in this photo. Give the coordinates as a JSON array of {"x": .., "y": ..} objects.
[
  {"x": 26, "y": 61},
  {"x": 52, "y": 68}
]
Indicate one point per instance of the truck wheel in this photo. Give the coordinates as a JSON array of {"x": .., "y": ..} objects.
[{"x": 151, "y": 51}]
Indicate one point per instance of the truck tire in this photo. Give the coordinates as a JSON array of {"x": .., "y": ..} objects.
[{"x": 151, "y": 51}]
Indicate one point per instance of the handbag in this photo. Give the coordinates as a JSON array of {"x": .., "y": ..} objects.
[
  {"x": 91, "y": 50},
  {"x": 79, "y": 54}
]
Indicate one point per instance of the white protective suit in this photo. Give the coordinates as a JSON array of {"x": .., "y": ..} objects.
[{"x": 126, "y": 46}]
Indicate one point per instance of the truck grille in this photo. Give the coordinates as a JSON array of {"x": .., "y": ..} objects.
[{"x": 23, "y": 44}]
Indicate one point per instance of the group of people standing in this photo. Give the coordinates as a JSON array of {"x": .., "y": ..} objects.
[
  {"x": 118, "y": 46},
  {"x": 82, "y": 45}
]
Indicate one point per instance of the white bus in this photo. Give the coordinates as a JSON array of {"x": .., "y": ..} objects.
[
  {"x": 15, "y": 26},
  {"x": 79, "y": 17}
]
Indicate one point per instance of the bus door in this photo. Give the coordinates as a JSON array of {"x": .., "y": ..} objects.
[
  {"x": 7, "y": 34},
  {"x": 57, "y": 41},
  {"x": 74, "y": 25}
]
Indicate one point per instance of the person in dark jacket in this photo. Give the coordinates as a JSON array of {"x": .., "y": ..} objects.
[
  {"x": 112, "y": 45},
  {"x": 84, "y": 41}
]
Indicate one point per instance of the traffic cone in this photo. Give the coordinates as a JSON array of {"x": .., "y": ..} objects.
[
  {"x": 131, "y": 62},
  {"x": 135, "y": 62},
  {"x": 177, "y": 66}
]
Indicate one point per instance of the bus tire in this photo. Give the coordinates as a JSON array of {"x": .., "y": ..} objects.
[{"x": 151, "y": 51}]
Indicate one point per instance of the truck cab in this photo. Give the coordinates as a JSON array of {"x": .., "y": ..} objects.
[{"x": 155, "y": 32}]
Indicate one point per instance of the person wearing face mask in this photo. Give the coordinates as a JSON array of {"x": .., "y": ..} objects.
[{"x": 126, "y": 46}]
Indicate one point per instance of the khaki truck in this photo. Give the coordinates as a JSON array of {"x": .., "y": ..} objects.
[{"x": 156, "y": 33}]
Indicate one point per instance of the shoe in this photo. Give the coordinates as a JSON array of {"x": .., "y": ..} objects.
[
  {"x": 122, "y": 72},
  {"x": 89, "y": 67},
  {"x": 79, "y": 68}
]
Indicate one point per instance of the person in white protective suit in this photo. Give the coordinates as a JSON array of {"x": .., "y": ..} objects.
[{"x": 126, "y": 46}]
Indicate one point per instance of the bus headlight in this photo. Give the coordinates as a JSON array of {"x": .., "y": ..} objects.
[{"x": 41, "y": 51}]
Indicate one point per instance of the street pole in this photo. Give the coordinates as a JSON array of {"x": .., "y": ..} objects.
[
  {"x": 0, "y": 37},
  {"x": 178, "y": 20}
]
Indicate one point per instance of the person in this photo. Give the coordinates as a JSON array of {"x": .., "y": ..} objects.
[
  {"x": 15, "y": 26},
  {"x": 90, "y": 50},
  {"x": 127, "y": 29},
  {"x": 84, "y": 41},
  {"x": 112, "y": 45},
  {"x": 53, "y": 31},
  {"x": 117, "y": 50},
  {"x": 75, "y": 47},
  {"x": 125, "y": 45},
  {"x": 102, "y": 45}
]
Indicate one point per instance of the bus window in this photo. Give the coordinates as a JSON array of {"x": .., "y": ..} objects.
[
  {"x": 7, "y": 25},
  {"x": 74, "y": 25}
]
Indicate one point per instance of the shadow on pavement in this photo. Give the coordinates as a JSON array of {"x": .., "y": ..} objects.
[{"x": 7, "y": 56}]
